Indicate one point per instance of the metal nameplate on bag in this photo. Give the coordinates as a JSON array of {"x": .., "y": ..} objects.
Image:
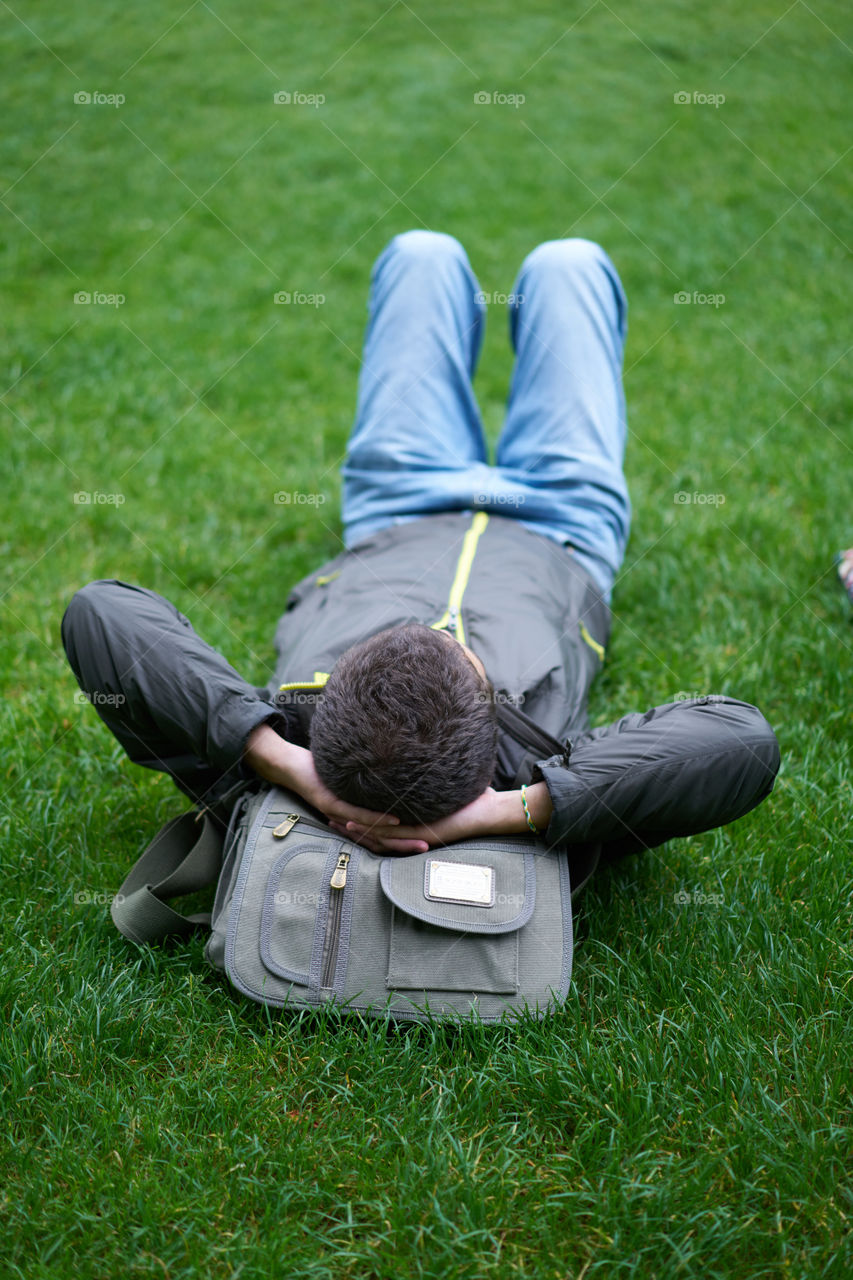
[{"x": 460, "y": 882}]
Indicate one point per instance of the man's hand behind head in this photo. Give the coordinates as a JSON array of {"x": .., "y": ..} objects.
[{"x": 287, "y": 765}]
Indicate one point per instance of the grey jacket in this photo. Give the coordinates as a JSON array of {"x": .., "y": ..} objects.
[{"x": 540, "y": 626}]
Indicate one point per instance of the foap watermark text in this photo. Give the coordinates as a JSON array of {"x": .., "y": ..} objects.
[
  {"x": 682, "y": 897},
  {"x": 82, "y": 98},
  {"x": 499, "y": 299},
  {"x": 489, "y": 98},
  {"x": 95, "y": 298},
  {"x": 295, "y": 98},
  {"x": 294, "y": 497},
  {"x": 685, "y": 298},
  {"x": 95, "y": 498},
  {"x": 284, "y": 298},
  {"x": 695, "y": 98},
  {"x": 684, "y": 499},
  {"x": 99, "y": 699},
  {"x": 499, "y": 500}
]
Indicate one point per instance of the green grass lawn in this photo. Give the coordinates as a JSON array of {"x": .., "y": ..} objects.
[{"x": 688, "y": 1112}]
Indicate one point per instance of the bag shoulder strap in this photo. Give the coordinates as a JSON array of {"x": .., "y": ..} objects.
[
  {"x": 529, "y": 734},
  {"x": 184, "y": 856}
]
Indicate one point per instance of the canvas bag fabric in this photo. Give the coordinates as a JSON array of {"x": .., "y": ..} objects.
[
  {"x": 484, "y": 934},
  {"x": 479, "y": 929}
]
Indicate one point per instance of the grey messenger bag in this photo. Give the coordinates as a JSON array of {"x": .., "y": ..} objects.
[
  {"x": 479, "y": 929},
  {"x": 303, "y": 917}
]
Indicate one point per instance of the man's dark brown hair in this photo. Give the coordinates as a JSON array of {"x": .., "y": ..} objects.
[{"x": 406, "y": 725}]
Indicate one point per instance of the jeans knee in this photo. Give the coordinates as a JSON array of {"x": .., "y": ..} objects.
[
  {"x": 579, "y": 267},
  {"x": 573, "y": 253},
  {"x": 426, "y": 246}
]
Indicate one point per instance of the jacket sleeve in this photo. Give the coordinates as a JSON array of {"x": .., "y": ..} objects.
[
  {"x": 171, "y": 699},
  {"x": 678, "y": 769}
]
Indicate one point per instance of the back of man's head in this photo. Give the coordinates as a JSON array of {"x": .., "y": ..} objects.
[{"x": 406, "y": 725}]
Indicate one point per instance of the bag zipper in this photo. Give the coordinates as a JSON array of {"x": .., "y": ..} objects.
[
  {"x": 331, "y": 941},
  {"x": 290, "y": 821},
  {"x": 337, "y": 884}
]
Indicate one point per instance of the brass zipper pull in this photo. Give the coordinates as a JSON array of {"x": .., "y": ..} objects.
[
  {"x": 339, "y": 875},
  {"x": 284, "y": 827}
]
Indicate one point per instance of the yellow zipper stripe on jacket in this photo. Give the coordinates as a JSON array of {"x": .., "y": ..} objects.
[
  {"x": 454, "y": 600},
  {"x": 592, "y": 642},
  {"x": 320, "y": 678},
  {"x": 463, "y": 573}
]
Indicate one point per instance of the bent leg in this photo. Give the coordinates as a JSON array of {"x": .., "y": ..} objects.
[
  {"x": 563, "y": 443},
  {"x": 417, "y": 445},
  {"x": 171, "y": 700}
]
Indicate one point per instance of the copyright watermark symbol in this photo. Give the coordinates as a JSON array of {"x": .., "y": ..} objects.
[
  {"x": 97, "y": 898},
  {"x": 683, "y": 499},
  {"x": 488, "y": 98},
  {"x": 87, "y": 497},
  {"x": 500, "y": 696},
  {"x": 286, "y": 498},
  {"x": 286, "y": 299},
  {"x": 85, "y": 298},
  {"x": 97, "y": 99},
  {"x": 682, "y": 898},
  {"x": 294, "y": 98},
  {"x": 98, "y": 699},
  {"x": 298, "y": 697},
  {"x": 499, "y": 299},
  {"x": 499, "y": 500},
  {"x": 694, "y": 98},
  {"x": 283, "y": 898},
  {"x": 685, "y": 298}
]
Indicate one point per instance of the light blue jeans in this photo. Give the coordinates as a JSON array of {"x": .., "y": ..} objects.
[{"x": 417, "y": 446}]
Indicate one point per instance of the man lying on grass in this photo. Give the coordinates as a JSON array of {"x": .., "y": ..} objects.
[{"x": 432, "y": 680}]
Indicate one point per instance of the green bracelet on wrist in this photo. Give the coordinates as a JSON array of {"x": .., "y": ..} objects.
[{"x": 531, "y": 824}]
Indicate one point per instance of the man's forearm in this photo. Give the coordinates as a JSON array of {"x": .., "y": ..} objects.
[
  {"x": 509, "y": 810},
  {"x": 279, "y": 761},
  {"x": 270, "y": 755}
]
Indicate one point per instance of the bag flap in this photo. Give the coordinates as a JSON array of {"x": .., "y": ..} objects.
[{"x": 481, "y": 889}]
